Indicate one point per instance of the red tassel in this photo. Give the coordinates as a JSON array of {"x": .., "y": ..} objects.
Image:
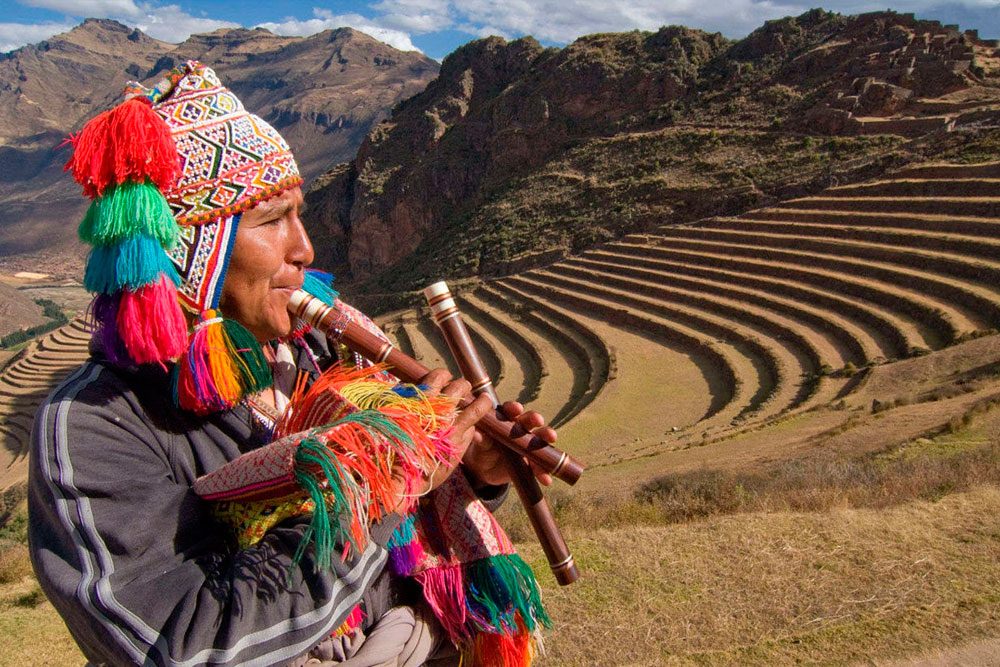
[
  {"x": 490, "y": 650},
  {"x": 151, "y": 323},
  {"x": 128, "y": 143}
]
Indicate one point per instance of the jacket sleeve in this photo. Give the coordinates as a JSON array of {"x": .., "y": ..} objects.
[{"x": 138, "y": 569}]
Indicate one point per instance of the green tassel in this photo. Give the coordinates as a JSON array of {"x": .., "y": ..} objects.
[
  {"x": 498, "y": 586},
  {"x": 324, "y": 529},
  {"x": 127, "y": 210}
]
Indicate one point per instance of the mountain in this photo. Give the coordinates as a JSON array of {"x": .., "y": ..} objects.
[
  {"x": 323, "y": 92},
  {"x": 517, "y": 155}
]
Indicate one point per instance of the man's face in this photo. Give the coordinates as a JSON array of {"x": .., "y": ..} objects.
[{"x": 267, "y": 265}]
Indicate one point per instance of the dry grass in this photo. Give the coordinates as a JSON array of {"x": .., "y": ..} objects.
[
  {"x": 31, "y": 633},
  {"x": 713, "y": 568},
  {"x": 781, "y": 587},
  {"x": 920, "y": 470}
]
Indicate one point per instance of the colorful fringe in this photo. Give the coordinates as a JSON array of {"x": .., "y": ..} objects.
[
  {"x": 223, "y": 363},
  {"x": 124, "y": 158},
  {"x": 482, "y": 592}
]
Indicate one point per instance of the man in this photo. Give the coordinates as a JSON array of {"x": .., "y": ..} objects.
[{"x": 129, "y": 556}]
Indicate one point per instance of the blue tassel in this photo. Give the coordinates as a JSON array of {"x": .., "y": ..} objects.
[
  {"x": 129, "y": 264},
  {"x": 320, "y": 285},
  {"x": 405, "y": 533}
]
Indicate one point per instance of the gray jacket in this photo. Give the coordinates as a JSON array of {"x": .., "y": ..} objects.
[{"x": 133, "y": 560}]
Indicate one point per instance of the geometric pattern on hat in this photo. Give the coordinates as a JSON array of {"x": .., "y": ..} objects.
[
  {"x": 231, "y": 159},
  {"x": 201, "y": 256}
]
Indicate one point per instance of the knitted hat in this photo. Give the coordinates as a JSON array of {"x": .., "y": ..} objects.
[{"x": 170, "y": 170}]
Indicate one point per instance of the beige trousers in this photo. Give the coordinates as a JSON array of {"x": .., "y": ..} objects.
[{"x": 404, "y": 637}]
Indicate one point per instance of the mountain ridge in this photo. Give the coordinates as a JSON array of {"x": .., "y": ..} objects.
[{"x": 323, "y": 93}]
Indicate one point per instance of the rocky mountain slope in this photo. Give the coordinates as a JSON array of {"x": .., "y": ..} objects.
[
  {"x": 323, "y": 92},
  {"x": 518, "y": 155}
]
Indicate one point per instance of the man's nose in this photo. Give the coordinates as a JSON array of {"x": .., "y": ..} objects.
[{"x": 299, "y": 249}]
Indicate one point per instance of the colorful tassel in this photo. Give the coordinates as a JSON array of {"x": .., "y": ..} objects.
[
  {"x": 501, "y": 586},
  {"x": 127, "y": 143},
  {"x": 495, "y": 650},
  {"x": 129, "y": 264},
  {"x": 330, "y": 501},
  {"x": 126, "y": 210},
  {"x": 445, "y": 595},
  {"x": 320, "y": 285},
  {"x": 151, "y": 324},
  {"x": 351, "y": 623},
  {"x": 405, "y": 551},
  {"x": 483, "y": 594},
  {"x": 223, "y": 363}
]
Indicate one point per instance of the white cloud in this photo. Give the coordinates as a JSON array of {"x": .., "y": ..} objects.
[
  {"x": 167, "y": 22},
  {"x": 324, "y": 19},
  {"x": 16, "y": 35},
  {"x": 483, "y": 31},
  {"x": 172, "y": 24},
  {"x": 562, "y": 21},
  {"x": 416, "y": 16},
  {"x": 555, "y": 21}
]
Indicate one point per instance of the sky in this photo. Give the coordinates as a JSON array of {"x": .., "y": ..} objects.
[{"x": 438, "y": 27}]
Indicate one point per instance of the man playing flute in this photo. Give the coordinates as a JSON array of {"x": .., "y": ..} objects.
[{"x": 198, "y": 245}]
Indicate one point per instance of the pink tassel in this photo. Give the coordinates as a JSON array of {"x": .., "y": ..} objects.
[
  {"x": 445, "y": 595},
  {"x": 355, "y": 618},
  {"x": 151, "y": 323}
]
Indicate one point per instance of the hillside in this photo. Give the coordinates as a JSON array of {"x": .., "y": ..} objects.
[
  {"x": 517, "y": 155},
  {"x": 323, "y": 92}
]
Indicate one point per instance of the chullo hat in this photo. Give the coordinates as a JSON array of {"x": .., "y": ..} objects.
[{"x": 170, "y": 171}]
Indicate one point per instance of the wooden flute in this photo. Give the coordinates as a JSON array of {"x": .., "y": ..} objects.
[
  {"x": 328, "y": 319},
  {"x": 449, "y": 319}
]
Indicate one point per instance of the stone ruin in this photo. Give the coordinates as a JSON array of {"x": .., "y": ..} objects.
[{"x": 890, "y": 63}]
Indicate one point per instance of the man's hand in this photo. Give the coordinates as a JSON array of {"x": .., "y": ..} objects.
[
  {"x": 439, "y": 381},
  {"x": 485, "y": 458}
]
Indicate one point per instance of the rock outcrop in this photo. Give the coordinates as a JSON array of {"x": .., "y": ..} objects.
[
  {"x": 496, "y": 110},
  {"x": 451, "y": 162}
]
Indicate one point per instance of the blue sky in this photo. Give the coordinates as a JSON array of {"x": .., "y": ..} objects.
[{"x": 437, "y": 27}]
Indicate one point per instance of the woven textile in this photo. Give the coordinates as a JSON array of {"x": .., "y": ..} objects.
[{"x": 231, "y": 159}]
